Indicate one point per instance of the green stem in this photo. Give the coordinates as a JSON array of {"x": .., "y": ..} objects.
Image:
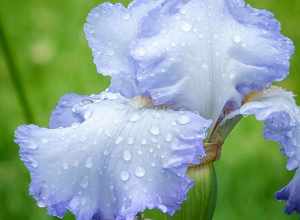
[
  {"x": 201, "y": 201},
  {"x": 15, "y": 76}
]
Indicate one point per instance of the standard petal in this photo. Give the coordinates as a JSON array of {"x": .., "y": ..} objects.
[
  {"x": 110, "y": 29},
  {"x": 281, "y": 116},
  {"x": 291, "y": 194},
  {"x": 119, "y": 160},
  {"x": 202, "y": 54}
]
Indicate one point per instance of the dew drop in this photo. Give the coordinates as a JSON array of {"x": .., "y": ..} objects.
[
  {"x": 169, "y": 137},
  {"x": 127, "y": 155},
  {"x": 154, "y": 130},
  {"x": 183, "y": 120},
  {"x": 106, "y": 152},
  {"x": 119, "y": 140},
  {"x": 34, "y": 163},
  {"x": 140, "y": 52},
  {"x": 134, "y": 118},
  {"x": 130, "y": 141},
  {"x": 237, "y": 39},
  {"x": 144, "y": 142},
  {"x": 139, "y": 172},
  {"x": 153, "y": 164},
  {"x": 41, "y": 204},
  {"x": 32, "y": 146},
  {"x": 89, "y": 163},
  {"x": 65, "y": 166},
  {"x": 124, "y": 176},
  {"x": 44, "y": 141},
  {"x": 186, "y": 27},
  {"x": 126, "y": 16},
  {"x": 85, "y": 182},
  {"x": 110, "y": 52}
]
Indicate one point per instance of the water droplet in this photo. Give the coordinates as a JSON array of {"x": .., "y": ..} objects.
[
  {"x": 41, "y": 204},
  {"x": 65, "y": 166},
  {"x": 140, "y": 51},
  {"x": 106, "y": 152},
  {"x": 169, "y": 137},
  {"x": 124, "y": 176},
  {"x": 85, "y": 182},
  {"x": 186, "y": 27},
  {"x": 140, "y": 152},
  {"x": 110, "y": 52},
  {"x": 126, "y": 16},
  {"x": 155, "y": 130},
  {"x": 237, "y": 39},
  {"x": 153, "y": 164},
  {"x": 163, "y": 208},
  {"x": 86, "y": 102},
  {"x": 33, "y": 163},
  {"x": 32, "y": 146},
  {"x": 130, "y": 141},
  {"x": 151, "y": 150},
  {"x": 44, "y": 141},
  {"x": 87, "y": 114},
  {"x": 140, "y": 172},
  {"x": 89, "y": 163},
  {"x": 144, "y": 142},
  {"x": 183, "y": 119},
  {"x": 204, "y": 66},
  {"x": 119, "y": 140},
  {"x": 127, "y": 155},
  {"x": 135, "y": 117}
]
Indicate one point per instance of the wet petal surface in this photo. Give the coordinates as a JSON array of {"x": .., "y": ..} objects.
[
  {"x": 119, "y": 160},
  {"x": 281, "y": 116}
]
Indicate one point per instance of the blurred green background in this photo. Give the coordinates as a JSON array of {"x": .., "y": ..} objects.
[{"x": 49, "y": 49}]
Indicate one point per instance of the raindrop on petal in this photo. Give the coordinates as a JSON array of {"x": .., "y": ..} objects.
[
  {"x": 186, "y": 27},
  {"x": 154, "y": 130},
  {"x": 169, "y": 137},
  {"x": 124, "y": 176},
  {"x": 139, "y": 172},
  {"x": 89, "y": 163},
  {"x": 183, "y": 119},
  {"x": 127, "y": 155},
  {"x": 134, "y": 118},
  {"x": 119, "y": 140}
]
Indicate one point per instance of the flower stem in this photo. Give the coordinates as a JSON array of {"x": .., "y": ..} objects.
[
  {"x": 201, "y": 201},
  {"x": 15, "y": 76}
]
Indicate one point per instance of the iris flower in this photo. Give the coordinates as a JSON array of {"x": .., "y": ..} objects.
[{"x": 182, "y": 73}]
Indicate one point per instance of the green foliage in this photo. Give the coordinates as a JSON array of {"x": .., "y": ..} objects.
[{"x": 53, "y": 58}]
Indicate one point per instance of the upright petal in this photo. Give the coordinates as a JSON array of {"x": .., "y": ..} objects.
[
  {"x": 110, "y": 29},
  {"x": 202, "y": 54},
  {"x": 281, "y": 116},
  {"x": 119, "y": 160}
]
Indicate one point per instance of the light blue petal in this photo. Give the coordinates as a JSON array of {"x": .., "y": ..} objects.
[
  {"x": 119, "y": 160},
  {"x": 63, "y": 116},
  {"x": 200, "y": 55},
  {"x": 281, "y": 115},
  {"x": 110, "y": 30},
  {"x": 291, "y": 194}
]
